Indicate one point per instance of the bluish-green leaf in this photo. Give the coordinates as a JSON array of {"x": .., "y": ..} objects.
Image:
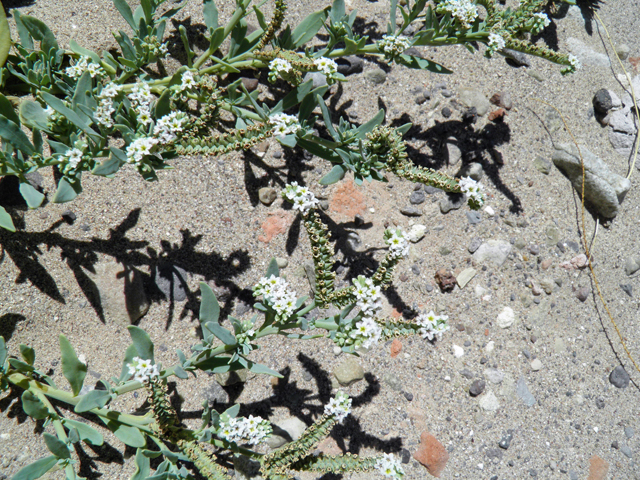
[
  {"x": 273, "y": 269},
  {"x": 418, "y": 63},
  {"x": 128, "y": 435},
  {"x": 66, "y": 191},
  {"x": 232, "y": 411},
  {"x": 123, "y": 7},
  {"x": 33, "y": 406},
  {"x": 217, "y": 37},
  {"x": 336, "y": 174},
  {"x": 3, "y": 351},
  {"x": 142, "y": 342},
  {"x": 92, "y": 399},
  {"x": 39, "y": 31},
  {"x": 179, "y": 372},
  {"x": 362, "y": 130},
  {"x": 209, "y": 306},
  {"x": 87, "y": 433},
  {"x": 108, "y": 167},
  {"x": 25, "y": 37},
  {"x": 73, "y": 45},
  {"x": 142, "y": 466},
  {"x": 32, "y": 196},
  {"x": 28, "y": 353},
  {"x": 163, "y": 105},
  {"x": 36, "y": 469},
  {"x": 319, "y": 150},
  {"x": 130, "y": 353},
  {"x": 337, "y": 10},
  {"x": 224, "y": 335},
  {"x": 11, "y": 132},
  {"x": 210, "y": 13},
  {"x": 287, "y": 140},
  {"x": 263, "y": 369},
  {"x": 72, "y": 368},
  {"x": 72, "y": 116},
  {"x": 5, "y": 220},
  {"x": 83, "y": 94},
  {"x": 308, "y": 28},
  {"x": 56, "y": 446},
  {"x": 6, "y": 107}
]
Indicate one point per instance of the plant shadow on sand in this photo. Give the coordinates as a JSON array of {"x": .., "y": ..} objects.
[{"x": 81, "y": 256}]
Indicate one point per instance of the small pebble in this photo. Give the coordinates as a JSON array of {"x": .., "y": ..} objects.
[
  {"x": 476, "y": 388},
  {"x": 446, "y": 112},
  {"x": 536, "y": 365},
  {"x": 505, "y": 442},
  {"x": 619, "y": 377}
]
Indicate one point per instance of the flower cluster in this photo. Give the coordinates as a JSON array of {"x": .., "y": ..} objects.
[
  {"x": 367, "y": 295},
  {"x": 251, "y": 430},
  {"x": 141, "y": 98},
  {"x": 432, "y": 325},
  {"x": 188, "y": 82},
  {"x": 142, "y": 370},
  {"x": 367, "y": 331},
  {"x": 339, "y": 407},
  {"x": 139, "y": 148},
  {"x": 389, "y": 466},
  {"x": 392, "y": 45},
  {"x": 464, "y": 11},
  {"x": 284, "y": 124},
  {"x": 168, "y": 126},
  {"x": 496, "y": 42},
  {"x": 397, "y": 241},
  {"x": 85, "y": 64},
  {"x": 248, "y": 333},
  {"x": 152, "y": 45},
  {"x": 575, "y": 63},
  {"x": 540, "y": 21},
  {"x": 279, "y": 67},
  {"x": 72, "y": 159},
  {"x": 275, "y": 290},
  {"x": 473, "y": 191},
  {"x": 328, "y": 67},
  {"x": 301, "y": 197},
  {"x": 105, "y": 108}
]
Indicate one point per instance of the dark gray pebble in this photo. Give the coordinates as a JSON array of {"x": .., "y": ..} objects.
[
  {"x": 619, "y": 377},
  {"x": 417, "y": 197},
  {"x": 411, "y": 211},
  {"x": 406, "y": 455},
  {"x": 602, "y": 101},
  {"x": 446, "y": 112},
  {"x": 477, "y": 387},
  {"x": 505, "y": 442},
  {"x": 408, "y": 395},
  {"x": 68, "y": 216},
  {"x": 627, "y": 288},
  {"x": 466, "y": 373},
  {"x": 171, "y": 280},
  {"x": 474, "y": 245},
  {"x": 431, "y": 190},
  {"x": 358, "y": 220}
]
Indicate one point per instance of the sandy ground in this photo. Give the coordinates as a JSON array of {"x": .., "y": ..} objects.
[{"x": 204, "y": 217}]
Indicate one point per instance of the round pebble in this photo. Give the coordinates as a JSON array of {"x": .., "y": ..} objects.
[{"x": 619, "y": 377}]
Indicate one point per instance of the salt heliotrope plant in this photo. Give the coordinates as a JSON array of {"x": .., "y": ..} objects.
[
  {"x": 81, "y": 112},
  {"x": 160, "y": 432}
]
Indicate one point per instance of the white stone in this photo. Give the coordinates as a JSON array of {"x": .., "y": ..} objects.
[
  {"x": 489, "y": 211},
  {"x": 489, "y": 402},
  {"x": 465, "y": 277},
  {"x": 506, "y": 317},
  {"x": 480, "y": 291},
  {"x": 536, "y": 365},
  {"x": 416, "y": 233},
  {"x": 494, "y": 375},
  {"x": 495, "y": 251},
  {"x": 490, "y": 346},
  {"x": 458, "y": 351}
]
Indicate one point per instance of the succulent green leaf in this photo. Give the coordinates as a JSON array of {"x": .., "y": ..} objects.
[
  {"x": 66, "y": 191},
  {"x": 72, "y": 116},
  {"x": 232, "y": 411},
  {"x": 326, "y": 116},
  {"x": 319, "y": 150},
  {"x": 179, "y": 372},
  {"x": 217, "y": 37},
  {"x": 337, "y": 10},
  {"x": 142, "y": 342},
  {"x": 92, "y": 399},
  {"x": 83, "y": 94},
  {"x": 28, "y": 353},
  {"x": 163, "y": 105},
  {"x": 263, "y": 369},
  {"x": 20, "y": 366},
  {"x": 362, "y": 130},
  {"x": 209, "y": 310},
  {"x": 308, "y": 28},
  {"x": 25, "y": 38},
  {"x": 273, "y": 268},
  {"x": 33, "y": 406},
  {"x": 6, "y": 107},
  {"x": 32, "y": 196},
  {"x": 74, "y": 47},
  {"x": 40, "y": 32},
  {"x": 11, "y": 133},
  {"x": 143, "y": 467},
  {"x": 127, "y": 434},
  {"x": 5, "y": 220},
  {"x": 224, "y": 335},
  {"x": 123, "y": 7},
  {"x": 3, "y": 351},
  {"x": 56, "y": 446},
  {"x": 36, "y": 469},
  {"x": 128, "y": 358},
  {"x": 86, "y": 432},
  {"x": 336, "y": 174},
  {"x": 210, "y": 13},
  {"x": 72, "y": 368},
  {"x": 108, "y": 167},
  {"x": 418, "y": 63}
]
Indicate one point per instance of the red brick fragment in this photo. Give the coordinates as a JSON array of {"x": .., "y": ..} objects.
[{"x": 431, "y": 454}]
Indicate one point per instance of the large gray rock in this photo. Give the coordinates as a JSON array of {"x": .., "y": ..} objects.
[
  {"x": 603, "y": 189},
  {"x": 471, "y": 97},
  {"x": 494, "y": 251},
  {"x": 286, "y": 431},
  {"x": 121, "y": 291}
]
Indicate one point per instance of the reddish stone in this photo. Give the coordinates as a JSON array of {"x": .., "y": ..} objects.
[
  {"x": 396, "y": 347},
  {"x": 446, "y": 280},
  {"x": 497, "y": 115},
  {"x": 278, "y": 222},
  {"x": 546, "y": 263},
  {"x": 348, "y": 200},
  {"x": 598, "y": 468},
  {"x": 635, "y": 61},
  {"x": 431, "y": 454},
  {"x": 486, "y": 332},
  {"x": 395, "y": 313}
]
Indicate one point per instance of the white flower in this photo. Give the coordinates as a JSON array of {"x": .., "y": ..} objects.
[
  {"x": 250, "y": 430},
  {"x": 389, "y": 466},
  {"x": 188, "y": 81},
  {"x": 95, "y": 70},
  {"x": 575, "y": 63},
  {"x": 142, "y": 370},
  {"x": 139, "y": 148},
  {"x": 367, "y": 331},
  {"x": 496, "y": 42},
  {"x": 464, "y": 11},
  {"x": 110, "y": 90},
  {"x": 280, "y": 65},
  {"x": 302, "y": 199},
  {"x": 84, "y": 64},
  {"x": 168, "y": 126},
  {"x": 339, "y": 406},
  {"x": 140, "y": 96},
  {"x": 284, "y": 124},
  {"x": 73, "y": 157},
  {"x": 540, "y": 21},
  {"x": 397, "y": 241},
  {"x": 275, "y": 291},
  {"x": 392, "y": 45},
  {"x": 432, "y": 325},
  {"x": 473, "y": 190}
]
